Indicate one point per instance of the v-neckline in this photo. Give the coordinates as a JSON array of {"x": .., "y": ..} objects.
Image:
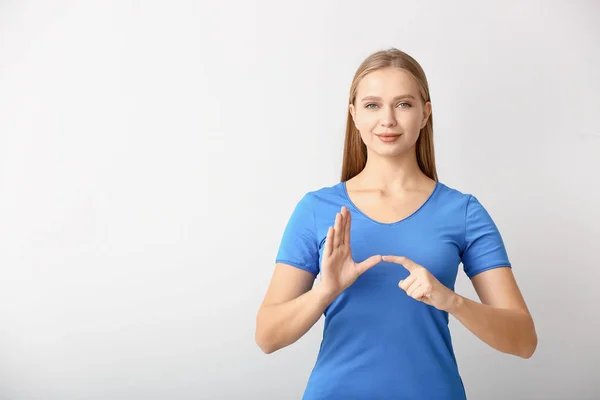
[{"x": 358, "y": 210}]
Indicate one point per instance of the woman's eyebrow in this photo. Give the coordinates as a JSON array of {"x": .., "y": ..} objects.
[{"x": 402, "y": 96}]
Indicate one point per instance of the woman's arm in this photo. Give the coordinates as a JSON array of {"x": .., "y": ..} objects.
[
  {"x": 290, "y": 308},
  {"x": 503, "y": 320}
]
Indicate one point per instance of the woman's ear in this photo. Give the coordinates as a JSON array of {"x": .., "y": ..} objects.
[
  {"x": 352, "y": 112},
  {"x": 426, "y": 113}
]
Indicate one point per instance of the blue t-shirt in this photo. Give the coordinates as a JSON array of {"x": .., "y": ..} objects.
[{"x": 378, "y": 342}]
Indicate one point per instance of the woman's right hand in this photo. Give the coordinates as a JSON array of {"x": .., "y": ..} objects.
[{"x": 338, "y": 269}]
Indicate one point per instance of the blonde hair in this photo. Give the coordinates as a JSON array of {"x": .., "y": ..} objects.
[{"x": 355, "y": 151}]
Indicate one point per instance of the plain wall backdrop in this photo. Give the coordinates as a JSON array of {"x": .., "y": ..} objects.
[{"x": 152, "y": 152}]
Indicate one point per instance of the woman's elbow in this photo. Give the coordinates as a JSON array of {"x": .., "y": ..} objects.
[
  {"x": 530, "y": 345},
  {"x": 263, "y": 344},
  {"x": 263, "y": 339},
  {"x": 530, "y": 349}
]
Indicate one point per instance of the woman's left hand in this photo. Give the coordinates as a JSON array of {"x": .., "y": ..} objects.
[{"x": 421, "y": 285}]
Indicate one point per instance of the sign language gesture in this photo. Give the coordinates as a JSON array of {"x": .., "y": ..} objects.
[
  {"x": 338, "y": 269},
  {"x": 421, "y": 285}
]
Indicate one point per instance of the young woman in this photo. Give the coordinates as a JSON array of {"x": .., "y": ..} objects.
[{"x": 387, "y": 242}]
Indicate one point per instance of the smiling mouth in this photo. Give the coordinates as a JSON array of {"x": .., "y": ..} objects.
[{"x": 388, "y": 138}]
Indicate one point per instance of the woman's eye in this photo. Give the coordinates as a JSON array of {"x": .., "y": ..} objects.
[{"x": 402, "y": 105}]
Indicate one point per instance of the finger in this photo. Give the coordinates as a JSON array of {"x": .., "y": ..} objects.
[
  {"x": 419, "y": 293},
  {"x": 412, "y": 288},
  {"x": 343, "y": 226},
  {"x": 347, "y": 228},
  {"x": 404, "y": 284},
  {"x": 329, "y": 241},
  {"x": 336, "y": 230},
  {"x": 405, "y": 262},
  {"x": 368, "y": 263}
]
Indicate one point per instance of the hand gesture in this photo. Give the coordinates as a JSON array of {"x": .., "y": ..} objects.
[
  {"x": 338, "y": 269},
  {"x": 421, "y": 285}
]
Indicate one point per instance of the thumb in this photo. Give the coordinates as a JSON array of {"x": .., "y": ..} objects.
[{"x": 368, "y": 263}]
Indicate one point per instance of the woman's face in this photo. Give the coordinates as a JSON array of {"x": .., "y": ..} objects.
[{"x": 388, "y": 102}]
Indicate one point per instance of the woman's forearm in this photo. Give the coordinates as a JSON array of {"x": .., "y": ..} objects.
[
  {"x": 509, "y": 331},
  {"x": 279, "y": 325}
]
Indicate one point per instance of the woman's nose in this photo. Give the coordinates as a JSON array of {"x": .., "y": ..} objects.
[{"x": 388, "y": 119}]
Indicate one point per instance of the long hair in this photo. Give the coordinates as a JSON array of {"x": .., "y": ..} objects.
[{"x": 355, "y": 151}]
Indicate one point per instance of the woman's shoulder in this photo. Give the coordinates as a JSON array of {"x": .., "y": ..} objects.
[
  {"x": 319, "y": 196},
  {"x": 451, "y": 198},
  {"x": 452, "y": 192},
  {"x": 461, "y": 199},
  {"x": 324, "y": 192}
]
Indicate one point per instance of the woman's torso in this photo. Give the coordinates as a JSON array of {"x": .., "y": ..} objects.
[{"x": 379, "y": 343}]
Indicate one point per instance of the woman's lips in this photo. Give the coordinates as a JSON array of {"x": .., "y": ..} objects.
[{"x": 388, "y": 138}]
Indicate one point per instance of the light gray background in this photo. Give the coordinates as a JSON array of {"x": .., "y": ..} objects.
[{"x": 151, "y": 154}]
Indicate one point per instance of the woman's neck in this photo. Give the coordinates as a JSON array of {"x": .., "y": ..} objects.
[{"x": 391, "y": 174}]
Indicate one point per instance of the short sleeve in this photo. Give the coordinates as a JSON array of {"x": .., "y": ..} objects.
[
  {"x": 483, "y": 246},
  {"x": 299, "y": 246}
]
